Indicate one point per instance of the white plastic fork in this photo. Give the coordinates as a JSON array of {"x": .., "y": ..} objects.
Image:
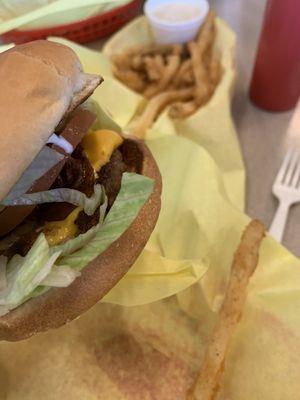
[{"x": 287, "y": 189}]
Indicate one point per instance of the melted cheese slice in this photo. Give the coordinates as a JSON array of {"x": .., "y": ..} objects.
[
  {"x": 99, "y": 146},
  {"x": 58, "y": 232}
]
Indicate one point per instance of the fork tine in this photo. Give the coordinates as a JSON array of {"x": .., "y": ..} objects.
[
  {"x": 284, "y": 167},
  {"x": 296, "y": 175},
  {"x": 291, "y": 168}
]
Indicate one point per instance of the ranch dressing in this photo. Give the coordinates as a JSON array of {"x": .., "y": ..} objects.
[{"x": 177, "y": 12}]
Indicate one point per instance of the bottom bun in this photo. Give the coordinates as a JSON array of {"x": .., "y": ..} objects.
[{"x": 61, "y": 305}]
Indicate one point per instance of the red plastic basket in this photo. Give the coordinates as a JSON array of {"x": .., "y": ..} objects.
[{"x": 82, "y": 31}]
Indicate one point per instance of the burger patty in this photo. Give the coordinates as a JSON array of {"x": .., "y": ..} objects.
[
  {"x": 77, "y": 174},
  {"x": 109, "y": 176},
  {"x": 23, "y": 244}
]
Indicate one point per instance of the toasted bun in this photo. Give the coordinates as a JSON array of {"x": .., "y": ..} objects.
[
  {"x": 40, "y": 82},
  {"x": 59, "y": 306}
]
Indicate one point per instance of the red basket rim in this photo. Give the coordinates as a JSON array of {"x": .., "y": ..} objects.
[{"x": 73, "y": 25}]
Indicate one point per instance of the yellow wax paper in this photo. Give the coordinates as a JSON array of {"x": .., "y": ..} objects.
[
  {"x": 153, "y": 351},
  {"x": 35, "y": 14}
]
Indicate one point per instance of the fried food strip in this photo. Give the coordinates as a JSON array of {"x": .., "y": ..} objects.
[
  {"x": 159, "y": 60},
  {"x": 214, "y": 72},
  {"x": 130, "y": 78},
  {"x": 203, "y": 89},
  {"x": 182, "y": 109},
  {"x": 177, "y": 49},
  {"x": 173, "y": 63},
  {"x": 244, "y": 264},
  {"x": 137, "y": 63},
  {"x": 163, "y": 50},
  {"x": 156, "y": 105},
  {"x": 207, "y": 33},
  {"x": 122, "y": 60},
  {"x": 185, "y": 69},
  {"x": 188, "y": 77},
  {"x": 154, "y": 67},
  {"x": 206, "y": 38}
]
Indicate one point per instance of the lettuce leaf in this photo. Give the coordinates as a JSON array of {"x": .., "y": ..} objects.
[
  {"x": 45, "y": 266},
  {"x": 83, "y": 239},
  {"x": 26, "y": 273},
  {"x": 135, "y": 190},
  {"x": 60, "y": 276},
  {"x": 76, "y": 243},
  {"x": 61, "y": 195}
]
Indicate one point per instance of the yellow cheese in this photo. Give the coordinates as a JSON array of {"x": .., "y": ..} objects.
[
  {"x": 99, "y": 146},
  {"x": 58, "y": 232}
]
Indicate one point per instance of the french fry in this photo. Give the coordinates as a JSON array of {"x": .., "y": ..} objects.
[
  {"x": 137, "y": 62},
  {"x": 182, "y": 109},
  {"x": 207, "y": 33},
  {"x": 154, "y": 67},
  {"x": 202, "y": 90},
  {"x": 130, "y": 78},
  {"x": 214, "y": 72},
  {"x": 184, "y": 69},
  {"x": 188, "y": 77},
  {"x": 164, "y": 50},
  {"x": 122, "y": 60},
  {"x": 173, "y": 62},
  {"x": 244, "y": 264},
  {"x": 155, "y": 106},
  {"x": 177, "y": 49},
  {"x": 159, "y": 61}
]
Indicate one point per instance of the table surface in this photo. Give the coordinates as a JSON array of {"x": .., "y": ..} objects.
[{"x": 261, "y": 133}]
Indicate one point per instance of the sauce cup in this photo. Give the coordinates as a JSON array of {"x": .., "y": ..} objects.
[{"x": 175, "y": 21}]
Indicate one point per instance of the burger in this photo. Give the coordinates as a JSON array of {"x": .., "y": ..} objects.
[{"x": 79, "y": 199}]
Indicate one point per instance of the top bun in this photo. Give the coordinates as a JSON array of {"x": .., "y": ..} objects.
[{"x": 40, "y": 83}]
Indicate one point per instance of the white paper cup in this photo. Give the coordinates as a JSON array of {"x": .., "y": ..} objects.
[{"x": 168, "y": 32}]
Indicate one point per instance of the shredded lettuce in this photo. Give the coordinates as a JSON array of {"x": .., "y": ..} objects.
[
  {"x": 76, "y": 243},
  {"x": 83, "y": 239},
  {"x": 26, "y": 273},
  {"x": 3, "y": 280},
  {"x": 134, "y": 192},
  {"x": 62, "y": 195},
  {"x": 45, "y": 266},
  {"x": 60, "y": 276},
  {"x": 45, "y": 160}
]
